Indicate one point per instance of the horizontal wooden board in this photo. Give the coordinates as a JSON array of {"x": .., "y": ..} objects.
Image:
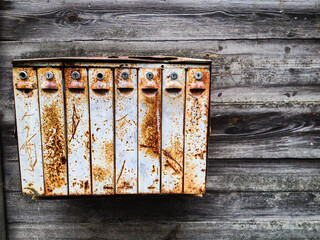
[
  {"x": 235, "y": 63},
  {"x": 138, "y": 20},
  {"x": 227, "y": 206},
  {"x": 270, "y": 230},
  {"x": 226, "y": 175}
]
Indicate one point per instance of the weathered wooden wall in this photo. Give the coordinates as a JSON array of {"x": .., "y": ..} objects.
[{"x": 264, "y": 159}]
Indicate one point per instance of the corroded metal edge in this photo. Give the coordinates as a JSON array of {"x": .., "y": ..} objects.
[{"x": 115, "y": 59}]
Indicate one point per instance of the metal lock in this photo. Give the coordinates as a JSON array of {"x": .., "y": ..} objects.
[
  {"x": 76, "y": 75},
  {"x": 23, "y": 75},
  {"x": 100, "y": 126}
]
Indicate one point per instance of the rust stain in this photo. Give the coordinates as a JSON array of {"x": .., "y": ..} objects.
[
  {"x": 54, "y": 149},
  {"x": 176, "y": 166},
  {"x": 124, "y": 162},
  {"x": 75, "y": 122}
]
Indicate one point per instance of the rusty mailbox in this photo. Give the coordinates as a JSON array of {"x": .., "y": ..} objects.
[{"x": 112, "y": 125}]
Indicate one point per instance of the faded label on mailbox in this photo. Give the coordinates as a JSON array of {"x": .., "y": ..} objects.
[
  {"x": 126, "y": 103},
  {"x": 28, "y": 130},
  {"x": 149, "y": 131},
  {"x": 77, "y": 111},
  {"x": 173, "y": 103},
  {"x": 196, "y": 129},
  {"x": 102, "y": 137},
  {"x": 53, "y": 131}
]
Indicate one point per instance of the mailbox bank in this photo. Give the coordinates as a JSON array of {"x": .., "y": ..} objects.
[{"x": 114, "y": 125}]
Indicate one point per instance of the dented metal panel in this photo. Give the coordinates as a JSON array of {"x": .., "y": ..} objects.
[
  {"x": 53, "y": 131},
  {"x": 173, "y": 104},
  {"x": 149, "y": 130},
  {"x": 196, "y": 129},
  {"x": 77, "y": 112},
  {"x": 102, "y": 137},
  {"x": 28, "y": 130},
  {"x": 126, "y": 112}
]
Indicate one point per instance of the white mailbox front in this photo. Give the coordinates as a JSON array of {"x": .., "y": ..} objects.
[{"x": 119, "y": 125}]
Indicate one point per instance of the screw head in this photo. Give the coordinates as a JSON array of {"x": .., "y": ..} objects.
[
  {"x": 174, "y": 76},
  {"x": 149, "y": 75},
  {"x": 75, "y": 75},
  {"x": 100, "y": 76},
  {"x": 198, "y": 75},
  {"x": 49, "y": 75},
  {"x": 125, "y": 75},
  {"x": 23, "y": 75}
]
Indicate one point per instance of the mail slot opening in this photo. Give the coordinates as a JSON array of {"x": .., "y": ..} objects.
[
  {"x": 197, "y": 92},
  {"x": 126, "y": 90},
  {"x": 149, "y": 92},
  {"x": 174, "y": 90}
]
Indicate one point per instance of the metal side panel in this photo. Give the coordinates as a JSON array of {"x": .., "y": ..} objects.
[
  {"x": 126, "y": 101},
  {"x": 77, "y": 111},
  {"x": 28, "y": 130},
  {"x": 173, "y": 103},
  {"x": 149, "y": 130},
  {"x": 196, "y": 128},
  {"x": 101, "y": 123},
  {"x": 53, "y": 131}
]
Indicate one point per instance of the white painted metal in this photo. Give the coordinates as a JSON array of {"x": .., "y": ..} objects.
[
  {"x": 102, "y": 137},
  {"x": 53, "y": 132},
  {"x": 196, "y": 129},
  {"x": 77, "y": 110},
  {"x": 173, "y": 103},
  {"x": 28, "y": 130},
  {"x": 126, "y": 101},
  {"x": 149, "y": 130}
]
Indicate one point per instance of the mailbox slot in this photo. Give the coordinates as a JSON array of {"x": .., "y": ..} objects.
[{"x": 104, "y": 126}]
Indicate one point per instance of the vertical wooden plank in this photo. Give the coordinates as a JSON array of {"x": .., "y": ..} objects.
[
  {"x": 28, "y": 130},
  {"x": 77, "y": 111},
  {"x": 149, "y": 130},
  {"x": 101, "y": 123},
  {"x": 2, "y": 208},
  {"x": 53, "y": 131},
  {"x": 173, "y": 104},
  {"x": 196, "y": 129},
  {"x": 126, "y": 103}
]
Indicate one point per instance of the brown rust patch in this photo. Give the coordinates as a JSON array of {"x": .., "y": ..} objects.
[
  {"x": 150, "y": 126},
  {"x": 55, "y": 162},
  {"x": 75, "y": 122}
]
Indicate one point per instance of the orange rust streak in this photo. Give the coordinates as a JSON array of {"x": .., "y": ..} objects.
[
  {"x": 122, "y": 168},
  {"x": 168, "y": 155},
  {"x": 75, "y": 122}
]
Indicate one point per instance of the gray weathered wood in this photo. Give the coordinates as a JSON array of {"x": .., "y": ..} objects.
[
  {"x": 2, "y": 199},
  {"x": 252, "y": 229},
  {"x": 161, "y": 20},
  {"x": 212, "y": 206}
]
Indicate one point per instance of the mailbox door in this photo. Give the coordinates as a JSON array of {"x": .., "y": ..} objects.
[
  {"x": 53, "y": 131},
  {"x": 149, "y": 129},
  {"x": 196, "y": 129},
  {"x": 126, "y": 103},
  {"x": 77, "y": 111},
  {"x": 28, "y": 130},
  {"x": 102, "y": 137},
  {"x": 173, "y": 104}
]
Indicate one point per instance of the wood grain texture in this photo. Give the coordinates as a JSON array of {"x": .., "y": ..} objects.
[
  {"x": 138, "y": 20},
  {"x": 270, "y": 229},
  {"x": 212, "y": 206}
]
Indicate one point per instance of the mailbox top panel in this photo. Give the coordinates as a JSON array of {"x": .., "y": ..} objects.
[{"x": 99, "y": 61}]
